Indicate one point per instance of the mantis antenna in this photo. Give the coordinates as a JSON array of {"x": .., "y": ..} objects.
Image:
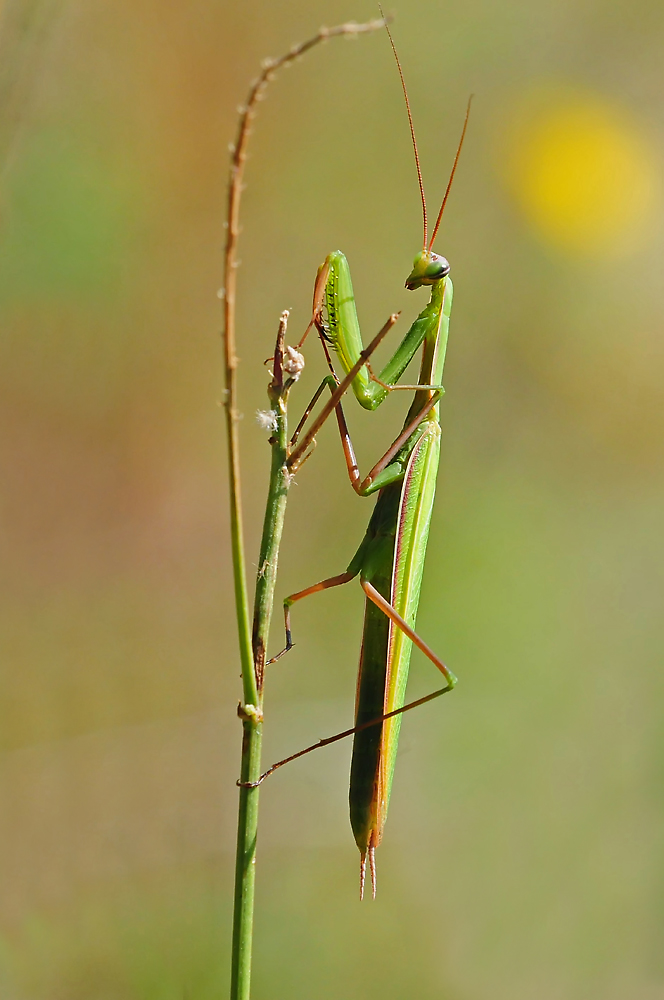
[
  {"x": 454, "y": 166},
  {"x": 426, "y": 246},
  {"x": 412, "y": 129}
]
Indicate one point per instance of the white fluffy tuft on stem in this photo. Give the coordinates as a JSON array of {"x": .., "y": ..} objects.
[{"x": 266, "y": 420}]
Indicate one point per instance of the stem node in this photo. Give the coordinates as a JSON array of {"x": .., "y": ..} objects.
[{"x": 250, "y": 713}]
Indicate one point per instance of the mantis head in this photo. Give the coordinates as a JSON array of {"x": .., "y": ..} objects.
[{"x": 428, "y": 268}]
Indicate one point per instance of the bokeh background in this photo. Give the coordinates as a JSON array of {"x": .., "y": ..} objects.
[{"x": 523, "y": 854}]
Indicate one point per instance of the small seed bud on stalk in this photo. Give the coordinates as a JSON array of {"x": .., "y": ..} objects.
[{"x": 293, "y": 362}]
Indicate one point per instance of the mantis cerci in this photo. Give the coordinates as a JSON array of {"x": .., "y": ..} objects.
[{"x": 390, "y": 558}]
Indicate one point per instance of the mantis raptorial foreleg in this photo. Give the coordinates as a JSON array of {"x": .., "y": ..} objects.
[
  {"x": 370, "y": 483},
  {"x": 333, "y": 290},
  {"x": 300, "y": 452}
]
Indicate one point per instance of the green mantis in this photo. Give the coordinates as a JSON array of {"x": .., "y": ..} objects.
[{"x": 390, "y": 558}]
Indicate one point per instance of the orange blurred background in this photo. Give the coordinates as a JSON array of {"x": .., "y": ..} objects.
[{"x": 522, "y": 857}]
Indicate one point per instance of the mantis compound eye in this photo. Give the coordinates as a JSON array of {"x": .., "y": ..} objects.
[
  {"x": 438, "y": 267},
  {"x": 428, "y": 267}
]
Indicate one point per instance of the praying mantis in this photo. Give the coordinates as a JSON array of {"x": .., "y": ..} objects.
[{"x": 390, "y": 558}]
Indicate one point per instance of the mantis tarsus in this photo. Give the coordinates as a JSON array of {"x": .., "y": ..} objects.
[{"x": 390, "y": 559}]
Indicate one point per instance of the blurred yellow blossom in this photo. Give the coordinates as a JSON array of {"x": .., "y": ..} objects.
[{"x": 584, "y": 174}]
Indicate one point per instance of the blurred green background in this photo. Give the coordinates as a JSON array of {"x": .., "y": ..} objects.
[{"x": 523, "y": 854}]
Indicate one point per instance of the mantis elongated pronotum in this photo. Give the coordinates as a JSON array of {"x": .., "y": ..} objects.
[{"x": 390, "y": 559}]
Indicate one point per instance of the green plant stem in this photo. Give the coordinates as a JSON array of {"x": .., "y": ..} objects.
[
  {"x": 245, "y": 863},
  {"x": 273, "y": 523}
]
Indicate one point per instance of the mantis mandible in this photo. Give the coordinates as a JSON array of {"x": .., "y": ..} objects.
[{"x": 390, "y": 559}]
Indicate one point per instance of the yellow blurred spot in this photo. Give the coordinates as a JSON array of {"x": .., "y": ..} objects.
[{"x": 584, "y": 176}]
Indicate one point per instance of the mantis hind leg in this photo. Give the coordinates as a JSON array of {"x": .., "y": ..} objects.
[
  {"x": 402, "y": 624},
  {"x": 347, "y": 732}
]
